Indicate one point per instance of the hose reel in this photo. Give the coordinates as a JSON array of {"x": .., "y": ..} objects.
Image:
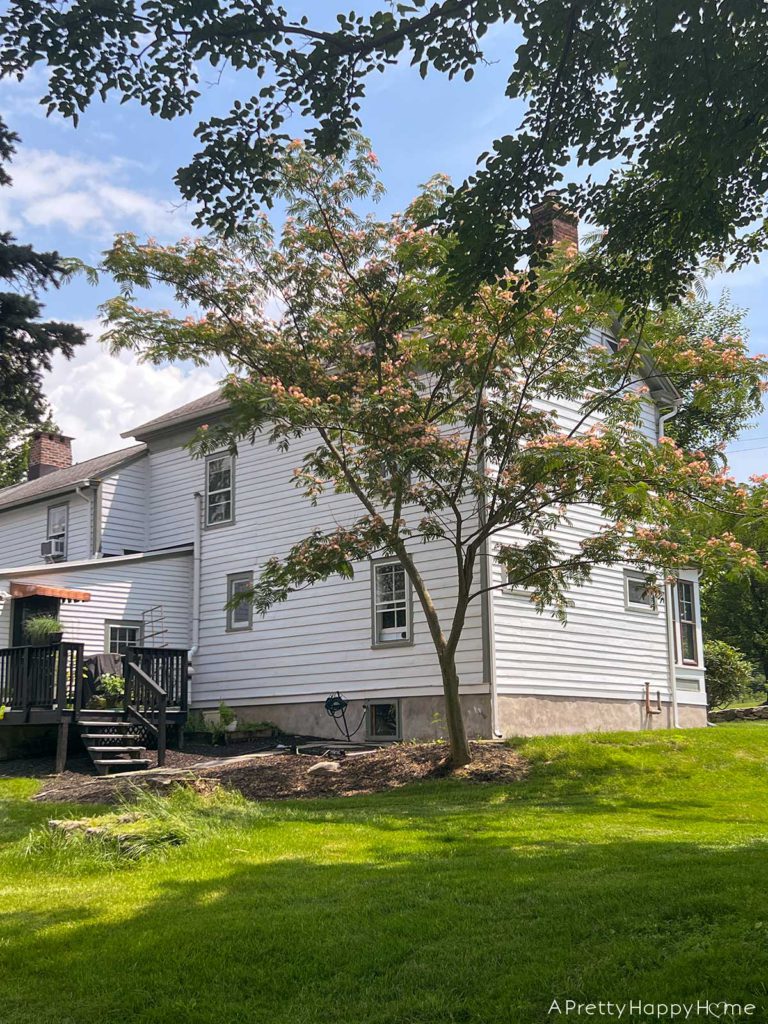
[{"x": 336, "y": 708}]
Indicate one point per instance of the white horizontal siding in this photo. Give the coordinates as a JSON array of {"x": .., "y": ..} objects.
[
  {"x": 604, "y": 649},
  {"x": 124, "y": 501},
  {"x": 119, "y": 591},
  {"x": 23, "y": 530},
  {"x": 174, "y": 477},
  {"x": 319, "y": 641}
]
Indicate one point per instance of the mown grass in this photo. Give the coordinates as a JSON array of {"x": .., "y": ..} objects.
[
  {"x": 624, "y": 866},
  {"x": 754, "y": 700}
]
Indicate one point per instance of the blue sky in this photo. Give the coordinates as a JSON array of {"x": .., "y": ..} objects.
[{"x": 74, "y": 188}]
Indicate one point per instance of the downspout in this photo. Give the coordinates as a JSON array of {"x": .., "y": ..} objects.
[
  {"x": 489, "y": 636},
  {"x": 488, "y": 628},
  {"x": 94, "y": 530},
  {"x": 668, "y": 598},
  {"x": 196, "y": 560}
]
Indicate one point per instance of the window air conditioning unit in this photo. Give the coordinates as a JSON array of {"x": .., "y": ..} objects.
[{"x": 53, "y": 550}]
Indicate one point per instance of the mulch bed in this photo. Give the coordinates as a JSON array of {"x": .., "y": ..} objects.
[
  {"x": 78, "y": 765},
  {"x": 285, "y": 776}
]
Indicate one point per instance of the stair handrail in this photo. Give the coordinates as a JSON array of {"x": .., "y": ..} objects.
[{"x": 135, "y": 678}]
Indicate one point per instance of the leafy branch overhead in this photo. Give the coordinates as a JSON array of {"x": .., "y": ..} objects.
[
  {"x": 411, "y": 415},
  {"x": 670, "y": 98}
]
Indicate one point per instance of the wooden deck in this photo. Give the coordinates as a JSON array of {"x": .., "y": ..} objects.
[{"x": 47, "y": 686}]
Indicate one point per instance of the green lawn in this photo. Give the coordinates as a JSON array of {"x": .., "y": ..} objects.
[
  {"x": 626, "y": 866},
  {"x": 753, "y": 701}
]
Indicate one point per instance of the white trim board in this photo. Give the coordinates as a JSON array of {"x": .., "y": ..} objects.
[{"x": 95, "y": 563}]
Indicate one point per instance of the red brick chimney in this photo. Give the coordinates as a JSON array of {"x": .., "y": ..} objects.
[
  {"x": 552, "y": 222},
  {"x": 48, "y": 453}
]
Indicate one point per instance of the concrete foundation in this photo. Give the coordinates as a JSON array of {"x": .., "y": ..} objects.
[
  {"x": 540, "y": 716},
  {"x": 421, "y": 718}
]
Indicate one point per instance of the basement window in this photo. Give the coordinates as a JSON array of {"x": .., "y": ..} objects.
[
  {"x": 383, "y": 720},
  {"x": 391, "y": 605}
]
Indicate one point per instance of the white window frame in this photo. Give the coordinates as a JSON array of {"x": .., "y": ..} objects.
[
  {"x": 632, "y": 576},
  {"x": 369, "y": 720},
  {"x": 688, "y": 580},
  {"x": 111, "y": 624},
  {"x": 62, "y": 534},
  {"x": 608, "y": 340},
  {"x": 234, "y": 626},
  {"x": 378, "y": 565},
  {"x": 211, "y": 459}
]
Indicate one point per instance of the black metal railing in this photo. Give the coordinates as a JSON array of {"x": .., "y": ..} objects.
[{"x": 41, "y": 677}]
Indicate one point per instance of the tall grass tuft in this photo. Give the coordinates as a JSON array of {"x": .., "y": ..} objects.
[{"x": 145, "y": 825}]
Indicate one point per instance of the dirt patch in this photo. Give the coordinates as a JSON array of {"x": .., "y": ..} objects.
[{"x": 287, "y": 776}]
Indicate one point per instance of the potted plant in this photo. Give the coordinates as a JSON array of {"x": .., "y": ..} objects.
[
  {"x": 198, "y": 730},
  {"x": 248, "y": 731},
  {"x": 112, "y": 689},
  {"x": 42, "y": 630}
]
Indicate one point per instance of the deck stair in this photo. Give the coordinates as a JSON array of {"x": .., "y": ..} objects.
[{"x": 114, "y": 745}]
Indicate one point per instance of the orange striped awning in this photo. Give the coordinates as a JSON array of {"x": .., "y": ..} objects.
[{"x": 46, "y": 590}]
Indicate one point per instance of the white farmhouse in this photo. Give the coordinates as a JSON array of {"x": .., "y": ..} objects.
[{"x": 143, "y": 547}]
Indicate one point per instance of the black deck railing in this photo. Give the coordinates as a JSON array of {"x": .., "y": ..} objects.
[
  {"x": 167, "y": 667},
  {"x": 51, "y": 678},
  {"x": 41, "y": 677},
  {"x": 147, "y": 704},
  {"x": 155, "y": 681}
]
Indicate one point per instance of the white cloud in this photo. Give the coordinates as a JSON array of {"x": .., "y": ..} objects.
[
  {"x": 96, "y": 396},
  {"x": 52, "y": 189}
]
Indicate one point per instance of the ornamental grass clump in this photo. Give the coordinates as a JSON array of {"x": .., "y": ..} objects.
[{"x": 40, "y": 629}]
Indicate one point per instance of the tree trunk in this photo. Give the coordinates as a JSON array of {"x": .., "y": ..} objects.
[
  {"x": 446, "y": 656},
  {"x": 457, "y": 733}
]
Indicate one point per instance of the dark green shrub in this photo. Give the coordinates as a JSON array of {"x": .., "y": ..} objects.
[{"x": 728, "y": 673}]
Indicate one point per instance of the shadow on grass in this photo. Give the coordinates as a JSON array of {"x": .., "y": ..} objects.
[{"x": 476, "y": 929}]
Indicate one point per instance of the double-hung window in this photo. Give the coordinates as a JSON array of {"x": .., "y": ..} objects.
[
  {"x": 391, "y": 604},
  {"x": 57, "y": 529},
  {"x": 239, "y": 613},
  {"x": 686, "y": 630},
  {"x": 122, "y": 635},
  {"x": 219, "y": 490}
]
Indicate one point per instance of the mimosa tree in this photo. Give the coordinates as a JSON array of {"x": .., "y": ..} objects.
[{"x": 435, "y": 418}]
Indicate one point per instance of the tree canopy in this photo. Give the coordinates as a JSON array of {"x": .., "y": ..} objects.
[
  {"x": 27, "y": 343},
  {"x": 15, "y": 442},
  {"x": 434, "y": 417},
  {"x": 671, "y": 97},
  {"x": 735, "y": 604},
  {"x": 712, "y": 416}
]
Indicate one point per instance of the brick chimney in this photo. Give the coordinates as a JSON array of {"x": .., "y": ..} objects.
[
  {"x": 552, "y": 222},
  {"x": 48, "y": 453}
]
